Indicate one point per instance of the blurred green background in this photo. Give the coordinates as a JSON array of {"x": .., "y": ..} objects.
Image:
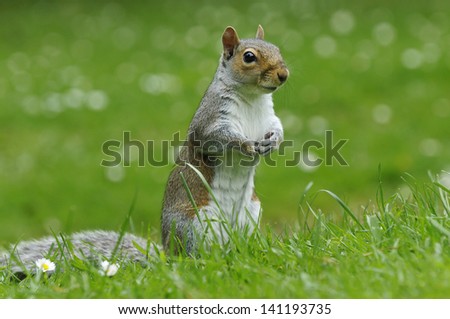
[{"x": 76, "y": 74}]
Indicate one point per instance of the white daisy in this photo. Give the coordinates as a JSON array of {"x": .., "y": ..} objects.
[
  {"x": 45, "y": 265},
  {"x": 109, "y": 269}
]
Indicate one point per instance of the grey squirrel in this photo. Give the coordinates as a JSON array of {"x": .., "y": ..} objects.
[{"x": 234, "y": 125}]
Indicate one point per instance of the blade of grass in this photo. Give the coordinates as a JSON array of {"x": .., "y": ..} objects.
[
  {"x": 347, "y": 210},
  {"x": 124, "y": 227}
]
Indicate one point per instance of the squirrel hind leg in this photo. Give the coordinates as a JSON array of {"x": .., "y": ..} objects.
[{"x": 177, "y": 232}]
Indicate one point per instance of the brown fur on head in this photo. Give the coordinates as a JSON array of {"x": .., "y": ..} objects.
[{"x": 253, "y": 62}]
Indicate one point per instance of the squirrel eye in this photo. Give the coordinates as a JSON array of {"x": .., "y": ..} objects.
[{"x": 249, "y": 57}]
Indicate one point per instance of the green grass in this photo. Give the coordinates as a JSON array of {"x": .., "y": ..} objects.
[
  {"x": 398, "y": 249},
  {"x": 74, "y": 75}
]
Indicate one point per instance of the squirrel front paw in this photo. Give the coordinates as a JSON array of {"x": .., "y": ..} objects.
[
  {"x": 250, "y": 148},
  {"x": 269, "y": 143}
]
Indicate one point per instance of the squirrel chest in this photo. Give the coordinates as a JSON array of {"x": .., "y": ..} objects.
[
  {"x": 232, "y": 181},
  {"x": 252, "y": 117}
]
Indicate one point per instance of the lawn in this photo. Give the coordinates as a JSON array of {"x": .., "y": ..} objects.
[
  {"x": 76, "y": 75},
  {"x": 399, "y": 249}
]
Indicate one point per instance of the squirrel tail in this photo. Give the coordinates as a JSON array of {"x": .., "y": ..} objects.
[{"x": 88, "y": 245}]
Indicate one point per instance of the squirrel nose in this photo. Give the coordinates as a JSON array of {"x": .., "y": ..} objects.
[{"x": 283, "y": 75}]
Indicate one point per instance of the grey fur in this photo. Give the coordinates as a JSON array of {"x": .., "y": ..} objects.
[{"x": 92, "y": 245}]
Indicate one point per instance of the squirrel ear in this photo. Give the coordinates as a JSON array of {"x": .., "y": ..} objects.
[
  {"x": 230, "y": 40},
  {"x": 260, "y": 33}
]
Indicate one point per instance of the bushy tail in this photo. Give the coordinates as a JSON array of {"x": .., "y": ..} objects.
[{"x": 87, "y": 245}]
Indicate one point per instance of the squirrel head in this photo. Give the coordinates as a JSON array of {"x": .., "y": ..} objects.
[{"x": 254, "y": 64}]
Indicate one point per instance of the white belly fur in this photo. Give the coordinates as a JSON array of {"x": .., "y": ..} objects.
[{"x": 233, "y": 185}]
